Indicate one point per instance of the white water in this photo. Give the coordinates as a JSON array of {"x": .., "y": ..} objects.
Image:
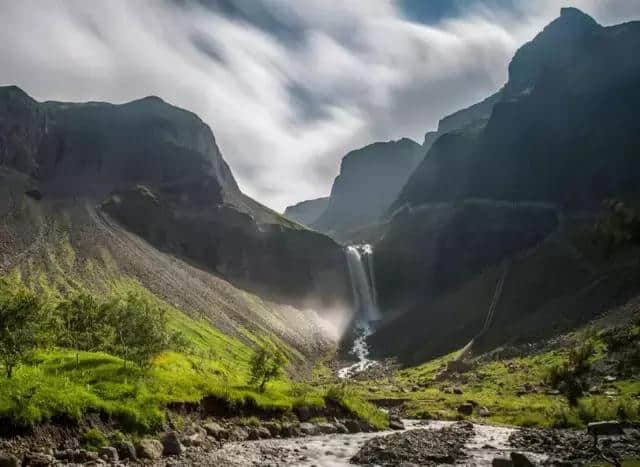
[{"x": 360, "y": 262}]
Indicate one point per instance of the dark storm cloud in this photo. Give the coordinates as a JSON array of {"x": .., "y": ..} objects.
[{"x": 288, "y": 86}]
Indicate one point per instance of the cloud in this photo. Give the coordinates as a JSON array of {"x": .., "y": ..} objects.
[{"x": 288, "y": 86}]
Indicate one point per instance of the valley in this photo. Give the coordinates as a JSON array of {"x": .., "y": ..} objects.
[{"x": 472, "y": 300}]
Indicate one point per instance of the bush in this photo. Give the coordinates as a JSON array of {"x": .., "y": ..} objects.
[{"x": 93, "y": 439}]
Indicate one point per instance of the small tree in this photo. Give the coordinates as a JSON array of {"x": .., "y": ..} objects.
[
  {"x": 19, "y": 318},
  {"x": 140, "y": 329},
  {"x": 81, "y": 322},
  {"x": 265, "y": 366}
]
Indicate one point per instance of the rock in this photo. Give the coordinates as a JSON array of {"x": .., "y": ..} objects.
[
  {"x": 252, "y": 434},
  {"x": 396, "y": 424},
  {"x": 263, "y": 432},
  {"x": 149, "y": 449},
  {"x": 238, "y": 434},
  {"x": 341, "y": 428},
  {"x": 501, "y": 462},
  {"x": 327, "y": 428},
  {"x": 108, "y": 453},
  {"x": 126, "y": 450},
  {"x": 7, "y": 460},
  {"x": 610, "y": 379},
  {"x": 553, "y": 392},
  {"x": 465, "y": 409},
  {"x": 216, "y": 431},
  {"x": 353, "y": 426},
  {"x": 484, "y": 412},
  {"x": 595, "y": 390},
  {"x": 309, "y": 429},
  {"x": 608, "y": 428},
  {"x": 520, "y": 460},
  {"x": 196, "y": 439},
  {"x": 457, "y": 390},
  {"x": 171, "y": 445},
  {"x": 38, "y": 459},
  {"x": 273, "y": 427}
]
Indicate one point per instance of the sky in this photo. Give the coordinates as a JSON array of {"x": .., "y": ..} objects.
[{"x": 287, "y": 86}]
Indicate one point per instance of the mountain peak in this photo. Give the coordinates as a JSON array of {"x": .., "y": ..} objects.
[{"x": 576, "y": 16}]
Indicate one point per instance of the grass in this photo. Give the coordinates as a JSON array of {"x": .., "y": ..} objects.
[{"x": 497, "y": 385}]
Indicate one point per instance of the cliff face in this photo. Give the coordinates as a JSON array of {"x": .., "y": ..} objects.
[
  {"x": 307, "y": 212},
  {"x": 370, "y": 179},
  {"x": 157, "y": 170},
  {"x": 494, "y": 189}
]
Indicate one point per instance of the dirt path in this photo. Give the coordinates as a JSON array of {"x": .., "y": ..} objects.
[{"x": 487, "y": 443}]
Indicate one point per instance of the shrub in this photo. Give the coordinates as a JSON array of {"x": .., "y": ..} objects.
[
  {"x": 93, "y": 439},
  {"x": 265, "y": 366},
  {"x": 20, "y": 311}
]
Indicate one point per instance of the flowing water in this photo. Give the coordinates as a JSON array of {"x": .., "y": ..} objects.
[{"x": 363, "y": 285}]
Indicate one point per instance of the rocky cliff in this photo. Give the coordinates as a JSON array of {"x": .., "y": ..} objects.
[
  {"x": 307, "y": 212},
  {"x": 158, "y": 170}
]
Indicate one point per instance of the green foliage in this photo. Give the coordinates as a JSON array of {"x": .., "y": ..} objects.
[
  {"x": 567, "y": 375},
  {"x": 82, "y": 324},
  {"x": 265, "y": 365},
  {"x": 19, "y": 320},
  {"x": 93, "y": 439},
  {"x": 349, "y": 399},
  {"x": 139, "y": 328}
]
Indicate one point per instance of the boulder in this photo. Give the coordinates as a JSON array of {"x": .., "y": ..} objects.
[
  {"x": 484, "y": 412},
  {"x": 520, "y": 460},
  {"x": 309, "y": 429},
  {"x": 196, "y": 439},
  {"x": 457, "y": 390},
  {"x": 126, "y": 450},
  {"x": 501, "y": 462},
  {"x": 149, "y": 449},
  {"x": 216, "y": 431},
  {"x": 289, "y": 430},
  {"x": 108, "y": 453},
  {"x": 273, "y": 428},
  {"x": 327, "y": 428},
  {"x": 38, "y": 459},
  {"x": 7, "y": 460},
  {"x": 396, "y": 424},
  {"x": 238, "y": 434},
  {"x": 353, "y": 426},
  {"x": 465, "y": 409},
  {"x": 171, "y": 445},
  {"x": 252, "y": 434},
  {"x": 608, "y": 428},
  {"x": 340, "y": 428}
]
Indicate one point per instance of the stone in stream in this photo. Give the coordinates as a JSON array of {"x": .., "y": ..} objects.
[
  {"x": 520, "y": 460},
  {"x": 126, "y": 450},
  {"x": 327, "y": 428},
  {"x": 7, "y": 460},
  {"x": 608, "y": 428},
  {"x": 108, "y": 453},
  {"x": 309, "y": 429},
  {"x": 501, "y": 462},
  {"x": 216, "y": 431},
  {"x": 38, "y": 459},
  {"x": 396, "y": 423},
  {"x": 353, "y": 426}
]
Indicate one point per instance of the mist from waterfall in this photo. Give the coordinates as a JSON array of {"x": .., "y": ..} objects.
[{"x": 361, "y": 272}]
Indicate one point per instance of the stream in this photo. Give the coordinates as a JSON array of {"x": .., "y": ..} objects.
[{"x": 336, "y": 450}]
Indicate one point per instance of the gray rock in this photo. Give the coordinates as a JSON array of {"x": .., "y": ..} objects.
[
  {"x": 608, "y": 428},
  {"x": 252, "y": 434},
  {"x": 327, "y": 428},
  {"x": 238, "y": 434},
  {"x": 520, "y": 460},
  {"x": 457, "y": 390},
  {"x": 108, "y": 453},
  {"x": 484, "y": 412},
  {"x": 38, "y": 459},
  {"x": 309, "y": 429},
  {"x": 465, "y": 409},
  {"x": 216, "y": 431},
  {"x": 340, "y": 428},
  {"x": 501, "y": 462},
  {"x": 7, "y": 460},
  {"x": 353, "y": 426},
  {"x": 195, "y": 439},
  {"x": 273, "y": 427},
  {"x": 263, "y": 432},
  {"x": 171, "y": 444},
  {"x": 149, "y": 449},
  {"x": 126, "y": 450},
  {"x": 396, "y": 424}
]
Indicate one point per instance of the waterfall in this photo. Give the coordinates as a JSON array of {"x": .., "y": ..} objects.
[{"x": 363, "y": 285}]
